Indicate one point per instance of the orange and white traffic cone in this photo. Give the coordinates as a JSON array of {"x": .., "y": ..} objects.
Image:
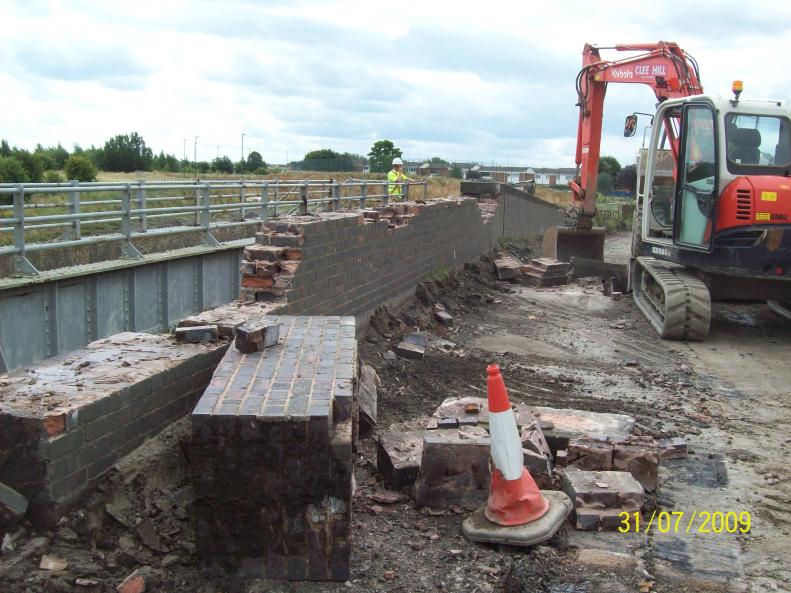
[{"x": 514, "y": 497}]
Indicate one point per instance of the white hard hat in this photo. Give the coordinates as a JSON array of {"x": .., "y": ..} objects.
[{"x": 397, "y": 161}]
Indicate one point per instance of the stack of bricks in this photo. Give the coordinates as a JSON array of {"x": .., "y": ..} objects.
[
  {"x": 67, "y": 421},
  {"x": 545, "y": 272},
  {"x": 396, "y": 215},
  {"x": 269, "y": 266},
  {"x": 271, "y": 455}
]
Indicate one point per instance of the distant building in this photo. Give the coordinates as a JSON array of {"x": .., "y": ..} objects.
[
  {"x": 554, "y": 176},
  {"x": 498, "y": 173}
]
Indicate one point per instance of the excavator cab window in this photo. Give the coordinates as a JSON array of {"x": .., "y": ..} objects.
[
  {"x": 696, "y": 177},
  {"x": 663, "y": 182},
  {"x": 757, "y": 144}
]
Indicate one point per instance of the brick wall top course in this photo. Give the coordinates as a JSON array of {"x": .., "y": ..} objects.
[
  {"x": 56, "y": 390},
  {"x": 303, "y": 376}
]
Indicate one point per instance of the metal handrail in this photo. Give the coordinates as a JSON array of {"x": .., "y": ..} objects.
[{"x": 132, "y": 207}]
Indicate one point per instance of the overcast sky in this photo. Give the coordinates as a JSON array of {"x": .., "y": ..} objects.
[{"x": 487, "y": 81}]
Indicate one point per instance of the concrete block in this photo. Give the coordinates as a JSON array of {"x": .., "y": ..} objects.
[
  {"x": 13, "y": 506},
  {"x": 398, "y": 457},
  {"x": 594, "y": 491},
  {"x": 254, "y": 336},
  {"x": 589, "y": 454},
  {"x": 453, "y": 472},
  {"x": 408, "y": 350},
  {"x": 507, "y": 267},
  {"x": 672, "y": 448},
  {"x": 197, "y": 334},
  {"x": 563, "y": 425},
  {"x": 639, "y": 459}
]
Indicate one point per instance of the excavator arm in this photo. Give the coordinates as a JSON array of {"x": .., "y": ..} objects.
[{"x": 663, "y": 66}]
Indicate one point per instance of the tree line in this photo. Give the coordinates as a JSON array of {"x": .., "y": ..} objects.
[{"x": 121, "y": 153}]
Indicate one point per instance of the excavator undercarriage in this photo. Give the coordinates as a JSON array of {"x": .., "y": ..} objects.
[{"x": 676, "y": 303}]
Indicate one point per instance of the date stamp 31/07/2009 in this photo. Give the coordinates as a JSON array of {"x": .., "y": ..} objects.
[{"x": 686, "y": 522}]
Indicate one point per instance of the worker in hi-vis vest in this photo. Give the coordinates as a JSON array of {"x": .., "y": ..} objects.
[{"x": 396, "y": 177}]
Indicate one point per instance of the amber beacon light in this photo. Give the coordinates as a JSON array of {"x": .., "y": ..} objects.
[{"x": 737, "y": 88}]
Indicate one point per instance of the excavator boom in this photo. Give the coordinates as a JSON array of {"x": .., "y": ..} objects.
[{"x": 664, "y": 66}]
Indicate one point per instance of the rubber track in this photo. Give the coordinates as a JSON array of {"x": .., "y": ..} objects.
[{"x": 683, "y": 311}]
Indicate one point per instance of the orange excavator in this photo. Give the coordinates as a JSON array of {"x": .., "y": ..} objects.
[{"x": 713, "y": 199}]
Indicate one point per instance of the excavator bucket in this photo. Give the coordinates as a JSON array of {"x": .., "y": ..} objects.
[{"x": 563, "y": 243}]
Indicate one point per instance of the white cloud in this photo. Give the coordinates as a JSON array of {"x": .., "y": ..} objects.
[{"x": 478, "y": 82}]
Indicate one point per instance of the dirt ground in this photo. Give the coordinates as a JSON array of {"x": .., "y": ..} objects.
[{"x": 563, "y": 347}]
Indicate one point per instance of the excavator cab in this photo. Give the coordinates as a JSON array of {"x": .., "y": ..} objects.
[{"x": 713, "y": 210}]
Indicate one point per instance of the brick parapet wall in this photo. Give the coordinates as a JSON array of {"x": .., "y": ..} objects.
[
  {"x": 350, "y": 263},
  {"x": 67, "y": 421}
]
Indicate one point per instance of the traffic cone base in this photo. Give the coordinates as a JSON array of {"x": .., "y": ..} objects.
[
  {"x": 478, "y": 528},
  {"x": 515, "y": 502}
]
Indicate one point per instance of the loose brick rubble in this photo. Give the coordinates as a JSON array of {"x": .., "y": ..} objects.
[
  {"x": 398, "y": 456},
  {"x": 195, "y": 334},
  {"x": 271, "y": 455},
  {"x": 544, "y": 272},
  {"x": 268, "y": 267},
  {"x": 636, "y": 455},
  {"x": 507, "y": 267},
  {"x": 254, "y": 336},
  {"x": 599, "y": 497}
]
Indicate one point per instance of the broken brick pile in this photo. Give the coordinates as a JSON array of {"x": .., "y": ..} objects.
[
  {"x": 637, "y": 455},
  {"x": 544, "y": 272},
  {"x": 269, "y": 266},
  {"x": 592, "y": 456},
  {"x": 396, "y": 215}
]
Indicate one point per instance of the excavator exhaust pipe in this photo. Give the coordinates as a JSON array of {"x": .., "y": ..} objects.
[{"x": 563, "y": 243}]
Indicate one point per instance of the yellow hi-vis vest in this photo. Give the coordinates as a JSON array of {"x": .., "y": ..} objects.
[{"x": 395, "y": 178}]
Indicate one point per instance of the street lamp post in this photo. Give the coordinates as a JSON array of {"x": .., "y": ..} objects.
[
  {"x": 241, "y": 163},
  {"x": 195, "y": 155}
]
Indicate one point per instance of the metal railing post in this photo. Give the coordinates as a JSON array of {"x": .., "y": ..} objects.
[
  {"x": 363, "y": 195},
  {"x": 265, "y": 201},
  {"x": 127, "y": 249},
  {"x": 386, "y": 198},
  {"x": 21, "y": 264},
  {"x": 74, "y": 210},
  {"x": 141, "y": 204},
  {"x": 405, "y": 192},
  {"x": 241, "y": 201},
  {"x": 277, "y": 191},
  {"x": 336, "y": 196},
  {"x": 205, "y": 214},
  {"x": 196, "y": 213},
  {"x": 303, "y": 198},
  {"x": 425, "y": 191}
]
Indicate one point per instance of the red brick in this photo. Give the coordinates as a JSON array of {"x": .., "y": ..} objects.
[
  {"x": 293, "y": 254},
  {"x": 256, "y": 282},
  {"x": 53, "y": 425},
  {"x": 134, "y": 583}
]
